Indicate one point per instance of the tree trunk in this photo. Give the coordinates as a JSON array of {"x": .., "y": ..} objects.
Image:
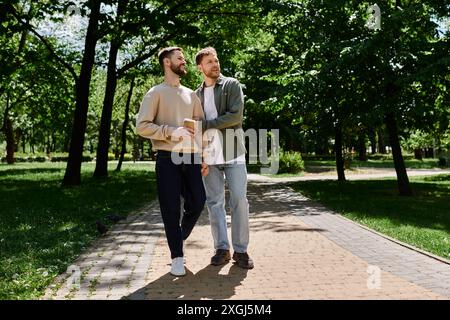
[
  {"x": 402, "y": 176},
  {"x": 125, "y": 125},
  {"x": 24, "y": 143},
  {"x": 11, "y": 145},
  {"x": 66, "y": 144},
  {"x": 47, "y": 146},
  {"x": 7, "y": 123},
  {"x": 9, "y": 133},
  {"x": 101, "y": 167},
  {"x": 53, "y": 145},
  {"x": 321, "y": 146},
  {"x": 10, "y": 142},
  {"x": 17, "y": 139},
  {"x": 136, "y": 151},
  {"x": 338, "y": 152},
  {"x": 404, "y": 187},
  {"x": 32, "y": 141},
  {"x": 373, "y": 142},
  {"x": 418, "y": 154},
  {"x": 381, "y": 143},
  {"x": 362, "y": 146},
  {"x": 72, "y": 175}
]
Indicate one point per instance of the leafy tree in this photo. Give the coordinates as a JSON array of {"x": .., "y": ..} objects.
[{"x": 332, "y": 72}]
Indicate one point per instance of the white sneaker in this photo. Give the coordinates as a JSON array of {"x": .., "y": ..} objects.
[{"x": 178, "y": 267}]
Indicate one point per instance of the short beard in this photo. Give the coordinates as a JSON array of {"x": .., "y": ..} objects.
[
  {"x": 212, "y": 75},
  {"x": 178, "y": 71}
]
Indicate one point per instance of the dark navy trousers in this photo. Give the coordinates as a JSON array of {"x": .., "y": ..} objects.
[{"x": 175, "y": 181}]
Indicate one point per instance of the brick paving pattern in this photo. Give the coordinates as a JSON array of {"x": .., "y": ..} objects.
[{"x": 300, "y": 250}]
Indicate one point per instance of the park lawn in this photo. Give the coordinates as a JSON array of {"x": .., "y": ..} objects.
[
  {"x": 44, "y": 227},
  {"x": 422, "y": 220},
  {"x": 329, "y": 166},
  {"x": 410, "y": 164}
]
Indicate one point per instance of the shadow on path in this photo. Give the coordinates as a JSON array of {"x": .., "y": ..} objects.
[{"x": 207, "y": 283}]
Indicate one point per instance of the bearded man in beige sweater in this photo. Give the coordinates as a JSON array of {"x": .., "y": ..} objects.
[{"x": 179, "y": 169}]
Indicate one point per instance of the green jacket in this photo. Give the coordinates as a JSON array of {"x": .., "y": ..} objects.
[{"x": 229, "y": 100}]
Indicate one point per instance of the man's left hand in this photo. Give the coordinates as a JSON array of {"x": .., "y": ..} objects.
[{"x": 205, "y": 169}]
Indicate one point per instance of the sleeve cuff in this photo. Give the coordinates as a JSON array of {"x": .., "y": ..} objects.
[{"x": 169, "y": 131}]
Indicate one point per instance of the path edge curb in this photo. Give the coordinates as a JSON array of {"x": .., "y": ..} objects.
[{"x": 406, "y": 245}]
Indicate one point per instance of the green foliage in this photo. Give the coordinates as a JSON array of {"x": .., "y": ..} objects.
[
  {"x": 306, "y": 66},
  {"x": 60, "y": 157},
  {"x": 417, "y": 140},
  {"x": 290, "y": 162},
  {"x": 43, "y": 157},
  {"x": 322, "y": 67}
]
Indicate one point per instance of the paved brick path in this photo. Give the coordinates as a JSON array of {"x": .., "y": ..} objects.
[{"x": 301, "y": 251}]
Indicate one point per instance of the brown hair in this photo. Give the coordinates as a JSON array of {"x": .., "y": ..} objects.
[
  {"x": 204, "y": 52},
  {"x": 166, "y": 53}
]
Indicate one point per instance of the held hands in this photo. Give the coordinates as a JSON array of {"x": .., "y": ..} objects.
[
  {"x": 182, "y": 132},
  {"x": 205, "y": 169}
]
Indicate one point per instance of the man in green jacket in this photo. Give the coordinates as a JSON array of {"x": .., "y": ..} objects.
[{"x": 223, "y": 105}]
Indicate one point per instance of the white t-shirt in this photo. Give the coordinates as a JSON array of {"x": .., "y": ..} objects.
[{"x": 214, "y": 152}]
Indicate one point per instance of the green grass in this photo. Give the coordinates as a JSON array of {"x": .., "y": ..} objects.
[
  {"x": 284, "y": 175},
  {"x": 410, "y": 164},
  {"x": 329, "y": 166},
  {"x": 422, "y": 220},
  {"x": 44, "y": 227}
]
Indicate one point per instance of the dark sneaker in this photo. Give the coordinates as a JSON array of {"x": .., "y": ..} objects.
[
  {"x": 243, "y": 260},
  {"x": 221, "y": 257}
]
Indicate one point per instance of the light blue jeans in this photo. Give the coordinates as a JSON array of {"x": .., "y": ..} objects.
[{"x": 236, "y": 178}]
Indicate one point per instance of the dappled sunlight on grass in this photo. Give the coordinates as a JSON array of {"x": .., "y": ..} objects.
[
  {"x": 44, "y": 226},
  {"x": 422, "y": 220},
  {"x": 410, "y": 164}
]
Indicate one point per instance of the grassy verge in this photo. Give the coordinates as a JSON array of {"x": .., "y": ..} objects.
[
  {"x": 329, "y": 166},
  {"x": 422, "y": 221},
  {"x": 44, "y": 227},
  {"x": 410, "y": 164}
]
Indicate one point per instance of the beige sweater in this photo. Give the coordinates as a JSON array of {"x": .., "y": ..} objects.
[{"x": 162, "y": 110}]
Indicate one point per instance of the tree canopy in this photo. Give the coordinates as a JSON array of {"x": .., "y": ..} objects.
[{"x": 317, "y": 70}]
